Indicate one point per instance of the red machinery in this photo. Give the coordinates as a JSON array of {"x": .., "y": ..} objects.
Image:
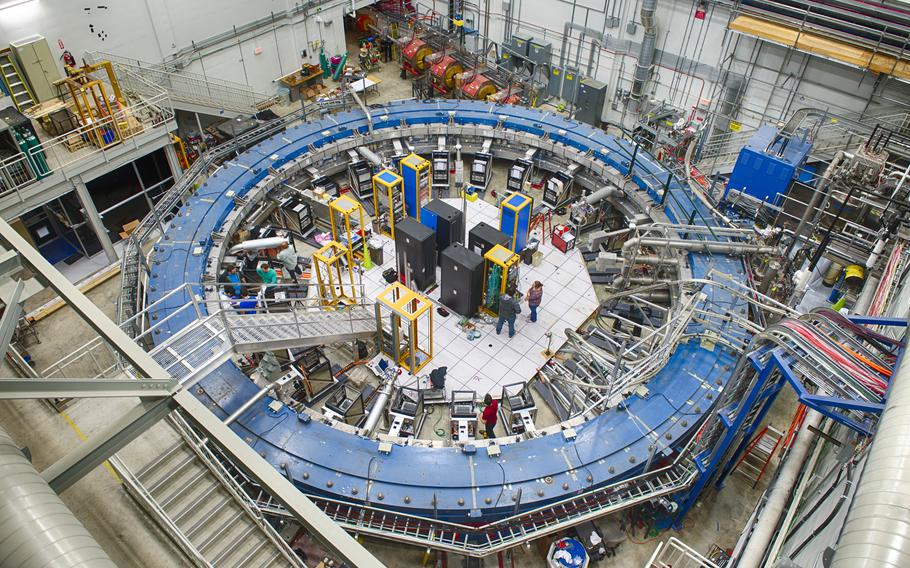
[
  {"x": 364, "y": 22},
  {"x": 479, "y": 88},
  {"x": 442, "y": 74},
  {"x": 414, "y": 55}
]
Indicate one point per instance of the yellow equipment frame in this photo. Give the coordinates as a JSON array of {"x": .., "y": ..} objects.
[
  {"x": 406, "y": 304},
  {"x": 389, "y": 188},
  {"x": 347, "y": 206},
  {"x": 508, "y": 261},
  {"x": 90, "y": 99},
  {"x": 327, "y": 263}
]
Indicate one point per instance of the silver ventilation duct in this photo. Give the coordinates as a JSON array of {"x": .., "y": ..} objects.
[
  {"x": 646, "y": 54},
  {"x": 877, "y": 530},
  {"x": 36, "y": 529}
]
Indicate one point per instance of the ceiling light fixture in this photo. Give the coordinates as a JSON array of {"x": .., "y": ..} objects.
[{"x": 6, "y": 5}]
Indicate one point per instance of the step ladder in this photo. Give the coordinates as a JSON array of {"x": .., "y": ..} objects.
[
  {"x": 207, "y": 516},
  {"x": 15, "y": 82},
  {"x": 759, "y": 453}
]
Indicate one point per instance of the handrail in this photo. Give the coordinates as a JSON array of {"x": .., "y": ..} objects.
[{"x": 87, "y": 141}]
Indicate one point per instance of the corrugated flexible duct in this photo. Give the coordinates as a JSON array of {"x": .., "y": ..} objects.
[
  {"x": 36, "y": 529},
  {"x": 648, "y": 44},
  {"x": 877, "y": 530}
]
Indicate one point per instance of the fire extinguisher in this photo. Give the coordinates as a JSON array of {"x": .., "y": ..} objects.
[{"x": 68, "y": 59}]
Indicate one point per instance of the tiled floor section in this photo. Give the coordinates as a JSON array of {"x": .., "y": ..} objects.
[{"x": 488, "y": 363}]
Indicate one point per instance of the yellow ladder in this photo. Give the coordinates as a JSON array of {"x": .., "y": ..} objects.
[{"x": 15, "y": 82}]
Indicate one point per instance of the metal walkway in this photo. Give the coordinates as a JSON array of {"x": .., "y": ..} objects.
[
  {"x": 209, "y": 342},
  {"x": 485, "y": 539},
  {"x": 228, "y": 329},
  {"x": 203, "y": 511}
]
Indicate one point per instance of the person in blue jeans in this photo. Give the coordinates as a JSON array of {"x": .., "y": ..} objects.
[
  {"x": 535, "y": 295},
  {"x": 509, "y": 307}
]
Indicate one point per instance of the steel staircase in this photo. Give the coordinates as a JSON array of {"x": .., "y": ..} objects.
[
  {"x": 759, "y": 453},
  {"x": 209, "y": 342},
  {"x": 195, "y": 502},
  {"x": 15, "y": 82}
]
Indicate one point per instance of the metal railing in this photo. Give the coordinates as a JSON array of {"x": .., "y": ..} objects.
[
  {"x": 722, "y": 150},
  {"x": 488, "y": 538},
  {"x": 132, "y": 259},
  {"x": 676, "y": 554},
  {"x": 86, "y": 142},
  {"x": 200, "y": 446},
  {"x": 227, "y": 322},
  {"x": 187, "y": 87}
]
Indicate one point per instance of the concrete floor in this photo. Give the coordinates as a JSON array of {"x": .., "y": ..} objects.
[{"x": 133, "y": 540}]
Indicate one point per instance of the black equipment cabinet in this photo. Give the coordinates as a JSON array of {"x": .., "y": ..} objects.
[
  {"x": 446, "y": 221},
  {"x": 483, "y": 237},
  {"x": 415, "y": 252},
  {"x": 461, "y": 283}
]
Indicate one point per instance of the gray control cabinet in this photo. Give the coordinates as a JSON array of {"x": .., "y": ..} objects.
[{"x": 589, "y": 105}]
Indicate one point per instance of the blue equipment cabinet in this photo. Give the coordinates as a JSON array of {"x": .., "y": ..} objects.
[
  {"x": 415, "y": 172},
  {"x": 767, "y": 165},
  {"x": 515, "y": 219}
]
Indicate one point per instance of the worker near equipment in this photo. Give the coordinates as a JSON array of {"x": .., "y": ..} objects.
[
  {"x": 509, "y": 308},
  {"x": 534, "y": 296},
  {"x": 233, "y": 276},
  {"x": 267, "y": 274},
  {"x": 288, "y": 258},
  {"x": 489, "y": 416}
]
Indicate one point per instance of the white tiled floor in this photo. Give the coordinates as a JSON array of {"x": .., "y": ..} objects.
[{"x": 490, "y": 362}]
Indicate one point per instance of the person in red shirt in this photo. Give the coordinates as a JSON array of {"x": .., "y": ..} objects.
[{"x": 490, "y": 415}]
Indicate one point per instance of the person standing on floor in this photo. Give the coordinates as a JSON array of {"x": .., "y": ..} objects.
[
  {"x": 288, "y": 258},
  {"x": 534, "y": 296},
  {"x": 509, "y": 308},
  {"x": 489, "y": 416}
]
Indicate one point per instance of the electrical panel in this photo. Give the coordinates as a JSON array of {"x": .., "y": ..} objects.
[
  {"x": 483, "y": 237},
  {"x": 296, "y": 215},
  {"x": 554, "y": 87},
  {"x": 569, "y": 84},
  {"x": 446, "y": 221},
  {"x": 415, "y": 252},
  {"x": 327, "y": 185},
  {"x": 556, "y": 191},
  {"x": 539, "y": 51},
  {"x": 519, "y": 174},
  {"x": 440, "y": 161},
  {"x": 589, "y": 104},
  {"x": 461, "y": 280},
  {"x": 515, "y": 51},
  {"x": 361, "y": 177}
]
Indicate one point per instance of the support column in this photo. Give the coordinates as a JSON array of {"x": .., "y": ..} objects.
[
  {"x": 173, "y": 163},
  {"x": 94, "y": 219}
]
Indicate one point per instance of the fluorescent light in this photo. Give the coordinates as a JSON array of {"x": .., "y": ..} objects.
[{"x": 6, "y": 5}]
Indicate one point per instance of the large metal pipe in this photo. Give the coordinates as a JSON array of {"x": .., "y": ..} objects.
[
  {"x": 382, "y": 398},
  {"x": 601, "y": 194},
  {"x": 370, "y": 156},
  {"x": 36, "y": 529},
  {"x": 646, "y": 53},
  {"x": 779, "y": 495},
  {"x": 363, "y": 107},
  {"x": 701, "y": 246},
  {"x": 816, "y": 195},
  {"x": 877, "y": 532}
]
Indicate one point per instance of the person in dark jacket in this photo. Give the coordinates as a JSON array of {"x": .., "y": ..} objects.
[
  {"x": 509, "y": 307},
  {"x": 535, "y": 295},
  {"x": 489, "y": 415}
]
